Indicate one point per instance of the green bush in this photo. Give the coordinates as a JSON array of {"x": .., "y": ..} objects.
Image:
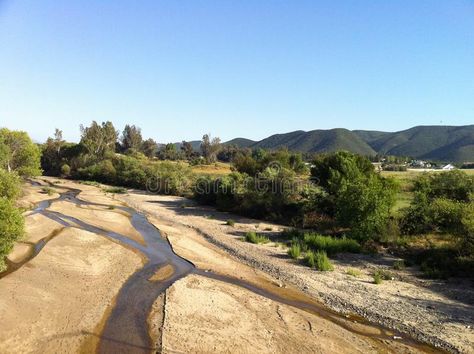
[
  {"x": 65, "y": 170},
  {"x": 294, "y": 251},
  {"x": 11, "y": 228},
  {"x": 253, "y": 237},
  {"x": 230, "y": 222},
  {"x": 9, "y": 185}
]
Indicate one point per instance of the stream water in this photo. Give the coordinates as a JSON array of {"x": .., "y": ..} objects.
[{"x": 126, "y": 328}]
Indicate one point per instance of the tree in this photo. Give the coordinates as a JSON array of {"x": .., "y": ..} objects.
[
  {"x": 210, "y": 148},
  {"x": 99, "y": 139},
  {"x": 169, "y": 152},
  {"x": 150, "y": 148},
  {"x": 187, "y": 150},
  {"x": 58, "y": 140},
  {"x": 18, "y": 153},
  {"x": 357, "y": 196},
  {"x": 131, "y": 138}
]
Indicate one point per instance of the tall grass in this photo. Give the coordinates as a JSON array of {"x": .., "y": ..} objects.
[
  {"x": 253, "y": 237},
  {"x": 318, "y": 260},
  {"x": 294, "y": 251},
  {"x": 331, "y": 245}
]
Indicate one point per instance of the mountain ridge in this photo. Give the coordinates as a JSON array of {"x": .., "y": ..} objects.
[{"x": 432, "y": 142}]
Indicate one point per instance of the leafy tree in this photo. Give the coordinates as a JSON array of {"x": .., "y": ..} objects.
[
  {"x": 18, "y": 153},
  {"x": 150, "y": 148},
  {"x": 210, "y": 148},
  {"x": 169, "y": 152},
  {"x": 99, "y": 139},
  {"x": 357, "y": 196},
  {"x": 131, "y": 138},
  {"x": 187, "y": 150}
]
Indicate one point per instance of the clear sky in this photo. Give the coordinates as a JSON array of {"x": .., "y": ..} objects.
[{"x": 250, "y": 68}]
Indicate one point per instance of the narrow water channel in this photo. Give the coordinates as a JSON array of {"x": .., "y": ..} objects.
[{"x": 126, "y": 328}]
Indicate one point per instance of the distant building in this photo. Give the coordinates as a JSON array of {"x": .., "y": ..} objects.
[{"x": 448, "y": 167}]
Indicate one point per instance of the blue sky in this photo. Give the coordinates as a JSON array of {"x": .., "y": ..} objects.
[{"x": 179, "y": 69}]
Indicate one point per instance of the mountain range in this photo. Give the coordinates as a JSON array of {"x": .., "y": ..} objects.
[{"x": 440, "y": 143}]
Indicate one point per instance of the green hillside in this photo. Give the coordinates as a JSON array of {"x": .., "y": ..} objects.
[
  {"x": 318, "y": 141},
  {"x": 240, "y": 142}
]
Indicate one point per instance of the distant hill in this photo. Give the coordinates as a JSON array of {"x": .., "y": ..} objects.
[
  {"x": 318, "y": 141},
  {"x": 240, "y": 142},
  {"x": 445, "y": 143},
  {"x": 442, "y": 143}
]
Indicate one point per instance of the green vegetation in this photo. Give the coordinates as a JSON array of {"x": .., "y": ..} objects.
[
  {"x": 377, "y": 279},
  {"x": 230, "y": 222},
  {"x": 115, "y": 190},
  {"x": 318, "y": 260},
  {"x": 48, "y": 190},
  {"x": 253, "y": 237},
  {"x": 330, "y": 245},
  {"x": 19, "y": 157},
  {"x": 295, "y": 251},
  {"x": 399, "y": 264},
  {"x": 353, "y": 272}
]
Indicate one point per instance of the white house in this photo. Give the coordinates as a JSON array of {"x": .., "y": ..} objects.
[{"x": 448, "y": 167}]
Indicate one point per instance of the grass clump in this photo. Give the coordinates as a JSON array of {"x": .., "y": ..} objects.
[
  {"x": 318, "y": 260},
  {"x": 382, "y": 274},
  {"x": 111, "y": 207},
  {"x": 115, "y": 190},
  {"x": 253, "y": 237},
  {"x": 399, "y": 264},
  {"x": 377, "y": 279},
  {"x": 230, "y": 222},
  {"x": 353, "y": 272},
  {"x": 48, "y": 190},
  {"x": 294, "y": 251},
  {"x": 90, "y": 183},
  {"x": 331, "y": 245}
]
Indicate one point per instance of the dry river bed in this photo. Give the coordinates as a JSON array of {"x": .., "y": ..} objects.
[{"x": 93, "y": 275}]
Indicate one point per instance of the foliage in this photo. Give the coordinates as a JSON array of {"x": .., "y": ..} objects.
[
  {"x": 115, "y": 190},
  {"x": 210, "y": 147},
  {"x": 399, "y": 264},
  {"x": 150, "y": 148},
  {"x": 9, "y": 185},
  {"x": 131, "y": 138},
  {"x": 18, "y": 153},
  {"x": 330, "y": 245},
  {"x": 98, "y": 139},
  {"x": 253, "y": 237},
  {"x": 353, "y": 272},
  {"x": 11, "y": 227},
  {"x": 230, "y": 222},
  {"x": 295, "y": 250},
  {"x": 358, "y": 197},
  {"x": 318, "y": 260}
]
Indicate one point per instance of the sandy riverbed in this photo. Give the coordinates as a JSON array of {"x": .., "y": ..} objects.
[
  {"x": 67, "y": 290},
  {"x": 439, "y": 312}
]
